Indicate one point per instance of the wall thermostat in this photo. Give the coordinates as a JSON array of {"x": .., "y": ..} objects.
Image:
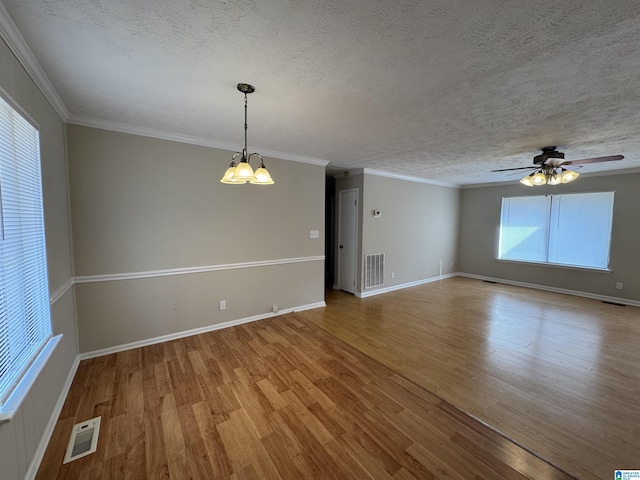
[{"x": 377, "y": 213}]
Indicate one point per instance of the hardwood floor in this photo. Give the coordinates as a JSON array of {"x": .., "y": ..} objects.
[
  {"x": 556, "y": 373},
  {"x": 284, "y": 398}
]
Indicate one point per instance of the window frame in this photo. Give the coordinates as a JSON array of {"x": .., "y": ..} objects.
[
  {"x": 547, "y": 263},
  {"x": 26, "y": 371}
]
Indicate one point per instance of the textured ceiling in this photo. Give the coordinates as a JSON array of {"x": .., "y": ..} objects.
[{"x": 440, "y": 89}]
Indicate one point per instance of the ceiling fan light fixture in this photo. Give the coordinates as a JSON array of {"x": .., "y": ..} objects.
[
  {"x": 568, "y": 175},
  {"x": 527, "y": 180},
  {"x": 554, "y": 178},
  {"x": 539, "y": 178},
  {"x": 550, "y": 168}
]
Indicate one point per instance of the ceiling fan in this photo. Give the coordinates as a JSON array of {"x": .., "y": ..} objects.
[{"x": 549, "y": 167}]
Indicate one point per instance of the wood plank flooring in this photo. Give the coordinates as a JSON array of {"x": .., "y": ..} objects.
[
  {"x": 558, "y": 374},
  {"x": 279, "y": 398}
]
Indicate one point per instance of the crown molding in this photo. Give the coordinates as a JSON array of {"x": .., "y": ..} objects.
[
  {"x": 382, "y": 173},
  {"x": 609, "y": 173},
  {"x": 182, "y": 138},
  {"x": 489, "y": 184},
  {"x": 18, "y": 46},
  {"x": 292, "y": 157},
  {"x": 397, "y": 176}
]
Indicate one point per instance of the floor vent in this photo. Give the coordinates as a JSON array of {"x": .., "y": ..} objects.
[
  {"x": 374, "y": 270},
  {"x": 614, "y": 303},
  {"x": 84, "y": 440}
]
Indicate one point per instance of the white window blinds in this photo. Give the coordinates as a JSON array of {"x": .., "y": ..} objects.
[
  {"x": 524, "y": 228},
  {"x": 580, "y": 229},
  {"x": 571, "y": 229},
  {"x": 25, "y": 324}
]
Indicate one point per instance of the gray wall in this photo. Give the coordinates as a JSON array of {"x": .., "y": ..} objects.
[
  {"x": 418, "y": 229},
  {"x": 19, "y": 439},
  {"x": 141, "y": 204},
  {"x": 480, "y": 223},
  {"x": 417, "y": 232}
]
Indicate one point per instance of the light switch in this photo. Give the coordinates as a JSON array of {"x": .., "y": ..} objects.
[{"x": 314, "y": 233}]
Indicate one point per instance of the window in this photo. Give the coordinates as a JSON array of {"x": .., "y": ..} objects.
[
  {"x": 25, "y": 324},
  {"x": 573, "y": 229}
]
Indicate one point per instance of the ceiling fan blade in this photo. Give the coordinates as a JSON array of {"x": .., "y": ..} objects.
[
  {"x": 517, "y": 168},
  {"x": 593, "y": 160}
]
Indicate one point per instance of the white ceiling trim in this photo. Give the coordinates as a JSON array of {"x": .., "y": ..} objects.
[
  {"x": 397, "y": 176},
  {"x": 382, "y": 173},
  {"x": 609, "y": 173},
  {"x": 192, "y": 140},
  {"x": 16, "y": 43}
]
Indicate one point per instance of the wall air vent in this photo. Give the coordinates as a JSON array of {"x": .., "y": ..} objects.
[
  {"x": 84, "y": 440},
  {"x": 374, "y": 270}
]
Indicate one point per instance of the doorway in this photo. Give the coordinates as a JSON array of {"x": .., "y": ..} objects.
[{"x": 347, "y": 239}]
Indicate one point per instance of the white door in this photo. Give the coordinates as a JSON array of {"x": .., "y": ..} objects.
[{"x": 347, "y": 239}]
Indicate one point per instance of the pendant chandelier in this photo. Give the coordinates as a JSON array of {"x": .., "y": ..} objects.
[
  {"x": 549, "y": 175},
  {"x": 242, "y": 172}
]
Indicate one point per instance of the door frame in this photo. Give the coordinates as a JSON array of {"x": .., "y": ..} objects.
[{"x": 339, "y": 230}]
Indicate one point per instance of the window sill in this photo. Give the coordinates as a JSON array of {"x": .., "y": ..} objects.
[
  {"x": 9, "y": 408},
  {"x": 557, "y": 265}
]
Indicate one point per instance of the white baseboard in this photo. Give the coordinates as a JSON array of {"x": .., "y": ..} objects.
[
  {"x": 595, "y": 296},
  {"x": 51, "y": 425},
  {"x": 310, "y": 306},
  {"x": 195, "y": 331},
  {"x": 378, "y": 291}
]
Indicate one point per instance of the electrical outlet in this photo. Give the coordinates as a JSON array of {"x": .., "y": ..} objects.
[
  {"x": 393, "y": 274},
  {"x": 274, "y": 309},
  {"x": 223, "y": 304},
  {"x": 619, "y": 286}
]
